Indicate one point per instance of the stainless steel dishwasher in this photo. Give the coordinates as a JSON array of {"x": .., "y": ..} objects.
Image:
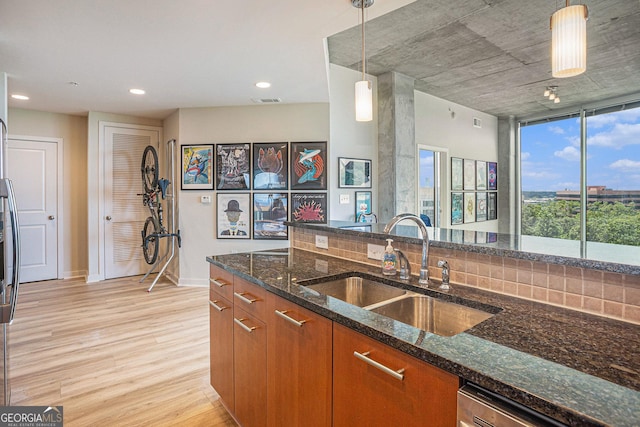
[{"x": 478, "y": 407}]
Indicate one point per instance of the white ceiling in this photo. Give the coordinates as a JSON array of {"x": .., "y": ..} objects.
[{"x": 185, "y": 53}]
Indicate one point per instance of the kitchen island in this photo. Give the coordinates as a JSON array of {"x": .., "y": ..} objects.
[{"x": 574, "y": 367}]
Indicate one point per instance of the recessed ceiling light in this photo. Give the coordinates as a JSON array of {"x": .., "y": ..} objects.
[
  {"x": 263, "y": 85},
  {"x": 20, "y": 97},
  {"x": 137, "y": 91}
]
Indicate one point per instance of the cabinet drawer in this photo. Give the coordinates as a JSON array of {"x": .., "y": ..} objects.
[
  {"x": 250, "y": 298},
  {"x": 220, "y": 282}
]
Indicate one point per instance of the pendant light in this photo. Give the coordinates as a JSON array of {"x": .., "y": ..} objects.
[
  {"x": 364, "y": 89},
  {"x": 569, "y": 41}
]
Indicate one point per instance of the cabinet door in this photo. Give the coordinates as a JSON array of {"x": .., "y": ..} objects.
[
  {"x": 221, "y": 349},
  {"x": 299, "y": 384},
  {"x": 366, "y": 395},
  {"x": 250, "y": 363}
]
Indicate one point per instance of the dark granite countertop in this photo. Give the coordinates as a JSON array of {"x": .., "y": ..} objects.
[{"x": 578, "y": 368}]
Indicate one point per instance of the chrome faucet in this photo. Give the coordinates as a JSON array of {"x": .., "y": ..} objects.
[
  {"x": 445, "y": 275},
  {"x": 424, "y": 269}
]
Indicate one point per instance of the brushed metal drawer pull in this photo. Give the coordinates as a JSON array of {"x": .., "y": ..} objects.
[
  {"x": 399, "y": 374},
  {"x": 219, "y": 283},
  {"x": 216, "y": 306},
  {"x": 242, "y": 297},
  {"x": 290, "y": 319},
  {"x": 245, "y": 327}
]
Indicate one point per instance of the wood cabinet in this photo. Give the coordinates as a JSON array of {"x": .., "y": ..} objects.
[
  {"x": 410, "y": 393},
  {"x": 299, "y": 365},
  {"x": 250, "y": 368},
  {"x": 221, "y": 335}
]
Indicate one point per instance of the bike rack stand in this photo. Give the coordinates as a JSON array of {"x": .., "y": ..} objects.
[{"x": 173, "y": 235}]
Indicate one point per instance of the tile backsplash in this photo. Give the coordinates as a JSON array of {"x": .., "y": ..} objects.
[{"x": 593, "y": 291}]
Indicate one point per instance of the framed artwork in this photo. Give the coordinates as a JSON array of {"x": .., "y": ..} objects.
[
  {"x": 492, "y": 176},
  {"x": 492, "y": 237},
  {"x": 309, "y": 207},
  {"x": 481, "y": 175},
  {"x": 308, "y": 166},
  {"x": 457, "y": 208},
  {"x": 469, "y": 207},
  {"x": 354, "y": 173},
  {"x": 492, "y": 206},
  {"x": 270, "y": 211},
  {"x": 481, "y": 237},
  {"x": 469, "y": 237},
  {"x": 456, "y": 235},
  {"x": 481, "y": 206},
  {"x": 363, "y": 203},
  {"x": 233, "y": 166},
  {"x": 456, "y": 174},
  {"x": 469, "y": 175},
  {"x": 197, "y": 167},
  {"x": 270, "y": 166},
  {"x": 233, "y": 216}
]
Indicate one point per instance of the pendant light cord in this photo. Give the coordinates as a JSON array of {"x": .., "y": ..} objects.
[{"x": 364, "y": 65}]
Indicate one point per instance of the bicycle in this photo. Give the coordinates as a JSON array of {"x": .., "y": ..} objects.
[{"x": 154, "y": 188}]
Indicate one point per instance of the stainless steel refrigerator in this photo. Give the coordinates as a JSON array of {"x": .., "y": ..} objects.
[{"x": 9, "y": 264}]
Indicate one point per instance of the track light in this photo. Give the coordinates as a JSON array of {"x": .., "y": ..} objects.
[{"x": 551, "y": 92}]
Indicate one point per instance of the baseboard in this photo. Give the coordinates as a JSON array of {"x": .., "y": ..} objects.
[
  {"x": 74, "y": 274},
  {"x": 94, "y": 278},
  {"x": 200, "y": 283}
]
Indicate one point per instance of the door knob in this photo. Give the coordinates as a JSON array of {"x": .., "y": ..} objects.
[
  {"x": 108, "y": 217},
  {"x": 51, "y": 217}
]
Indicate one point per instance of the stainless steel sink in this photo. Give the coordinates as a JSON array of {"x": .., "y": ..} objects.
[
  {"x": 432, "y": 314},
  {"x": 357, "y": 290}
]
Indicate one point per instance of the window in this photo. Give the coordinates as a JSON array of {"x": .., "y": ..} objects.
[
  {"x": 552, "y": 191},
  {"x": 429, "y": 185}
]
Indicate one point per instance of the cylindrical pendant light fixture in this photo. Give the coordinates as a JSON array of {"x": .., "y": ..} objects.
[
  {"x": 364, "y": 90},
  {"x": 569, "y": 41}
]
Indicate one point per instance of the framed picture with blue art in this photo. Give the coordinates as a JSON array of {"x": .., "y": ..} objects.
[
  {"x": 308, "y": 166},
  {"x": 354, "y": 173},
  {"x": 197, "y": 167},
  {"x": 457, "y": 208},
  {"x": 363, "y": 206},
  {"x": 270, "y": 166},
  {"x": 233, "y": 216},
  {"x": 270, "y": 211}
]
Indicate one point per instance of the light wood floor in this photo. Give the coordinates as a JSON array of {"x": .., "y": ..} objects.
[{"x": 114, "y": 355}]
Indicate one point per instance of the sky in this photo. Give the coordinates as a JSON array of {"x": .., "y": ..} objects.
[{"x": 550, "y": 153}]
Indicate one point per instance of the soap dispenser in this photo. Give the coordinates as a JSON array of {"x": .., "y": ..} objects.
[{"x": 389, "y": 260}]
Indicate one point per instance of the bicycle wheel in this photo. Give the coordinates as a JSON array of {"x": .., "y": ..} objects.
[
  {"x": 150, "y": 240},
  {"x": 149, "y": 169}
]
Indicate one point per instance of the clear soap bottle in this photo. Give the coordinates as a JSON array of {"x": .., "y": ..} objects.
[{"x": 389, "y": 260}]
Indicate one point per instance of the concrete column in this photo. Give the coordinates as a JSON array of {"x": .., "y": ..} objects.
[
  {"x": 396, "y": 146},
  {"x": 508, "y": 179}
]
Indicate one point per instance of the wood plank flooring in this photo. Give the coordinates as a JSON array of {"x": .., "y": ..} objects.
[{"x": 113, "y": 354}]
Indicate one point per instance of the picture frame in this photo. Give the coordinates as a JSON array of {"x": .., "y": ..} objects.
[
  {"x": 309, "y": 208},
  {"x": 233, "y": 166},
  {"x": 270, "y": 165},
  {"x": 197, "y": 167},
  {"x": 233, "y": 216},
  {"x": 481, "y": 175},
  {"x": 492, "y": 206},
  {"x": 270, "y": 211},
  {"x": 481, "y": 206},
  {"x": 308, "y": 166},
  {"x": 469, "y": 207},
  {"x": 363, "y": 204},
  {"x": 456, "y": 174},
  {"x": 457, "y": 208},
  {"x": 492, "y": 176},
  {"x": 354, "y": 173},
  {"x": 469, "y": 175}
]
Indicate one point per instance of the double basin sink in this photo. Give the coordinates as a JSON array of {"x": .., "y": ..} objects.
[{"x": 424, "y": 312}]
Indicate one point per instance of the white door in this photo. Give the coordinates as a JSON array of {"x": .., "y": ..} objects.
[
  {"x": 32, "y": 166},
  {"x": 124, "y": 212}
]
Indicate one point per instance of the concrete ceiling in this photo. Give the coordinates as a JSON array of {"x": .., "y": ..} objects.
[
  {"x": 494, "y": 55},
  {"x": 490, "y": 55}
]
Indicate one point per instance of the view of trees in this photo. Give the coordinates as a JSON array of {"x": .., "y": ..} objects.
[{"x": 615, "y": 223}]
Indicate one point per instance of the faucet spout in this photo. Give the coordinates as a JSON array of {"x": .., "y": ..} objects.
[{"x": 424, "y": 269}]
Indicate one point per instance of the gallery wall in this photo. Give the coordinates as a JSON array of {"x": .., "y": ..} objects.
[{"x": 232, "y": 125}]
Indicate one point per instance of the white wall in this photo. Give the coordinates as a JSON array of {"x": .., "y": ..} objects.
[
  {"x": 260, "y": 123},
  {"x": 73, "y": 131},
  {"x": 349, "y": 138},
  {"x": 436, "y": 126}
]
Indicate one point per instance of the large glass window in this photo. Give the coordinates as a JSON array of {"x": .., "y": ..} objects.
[
  {"x": 551, "y": 162},
  {"x": 428, "y": 185}
]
